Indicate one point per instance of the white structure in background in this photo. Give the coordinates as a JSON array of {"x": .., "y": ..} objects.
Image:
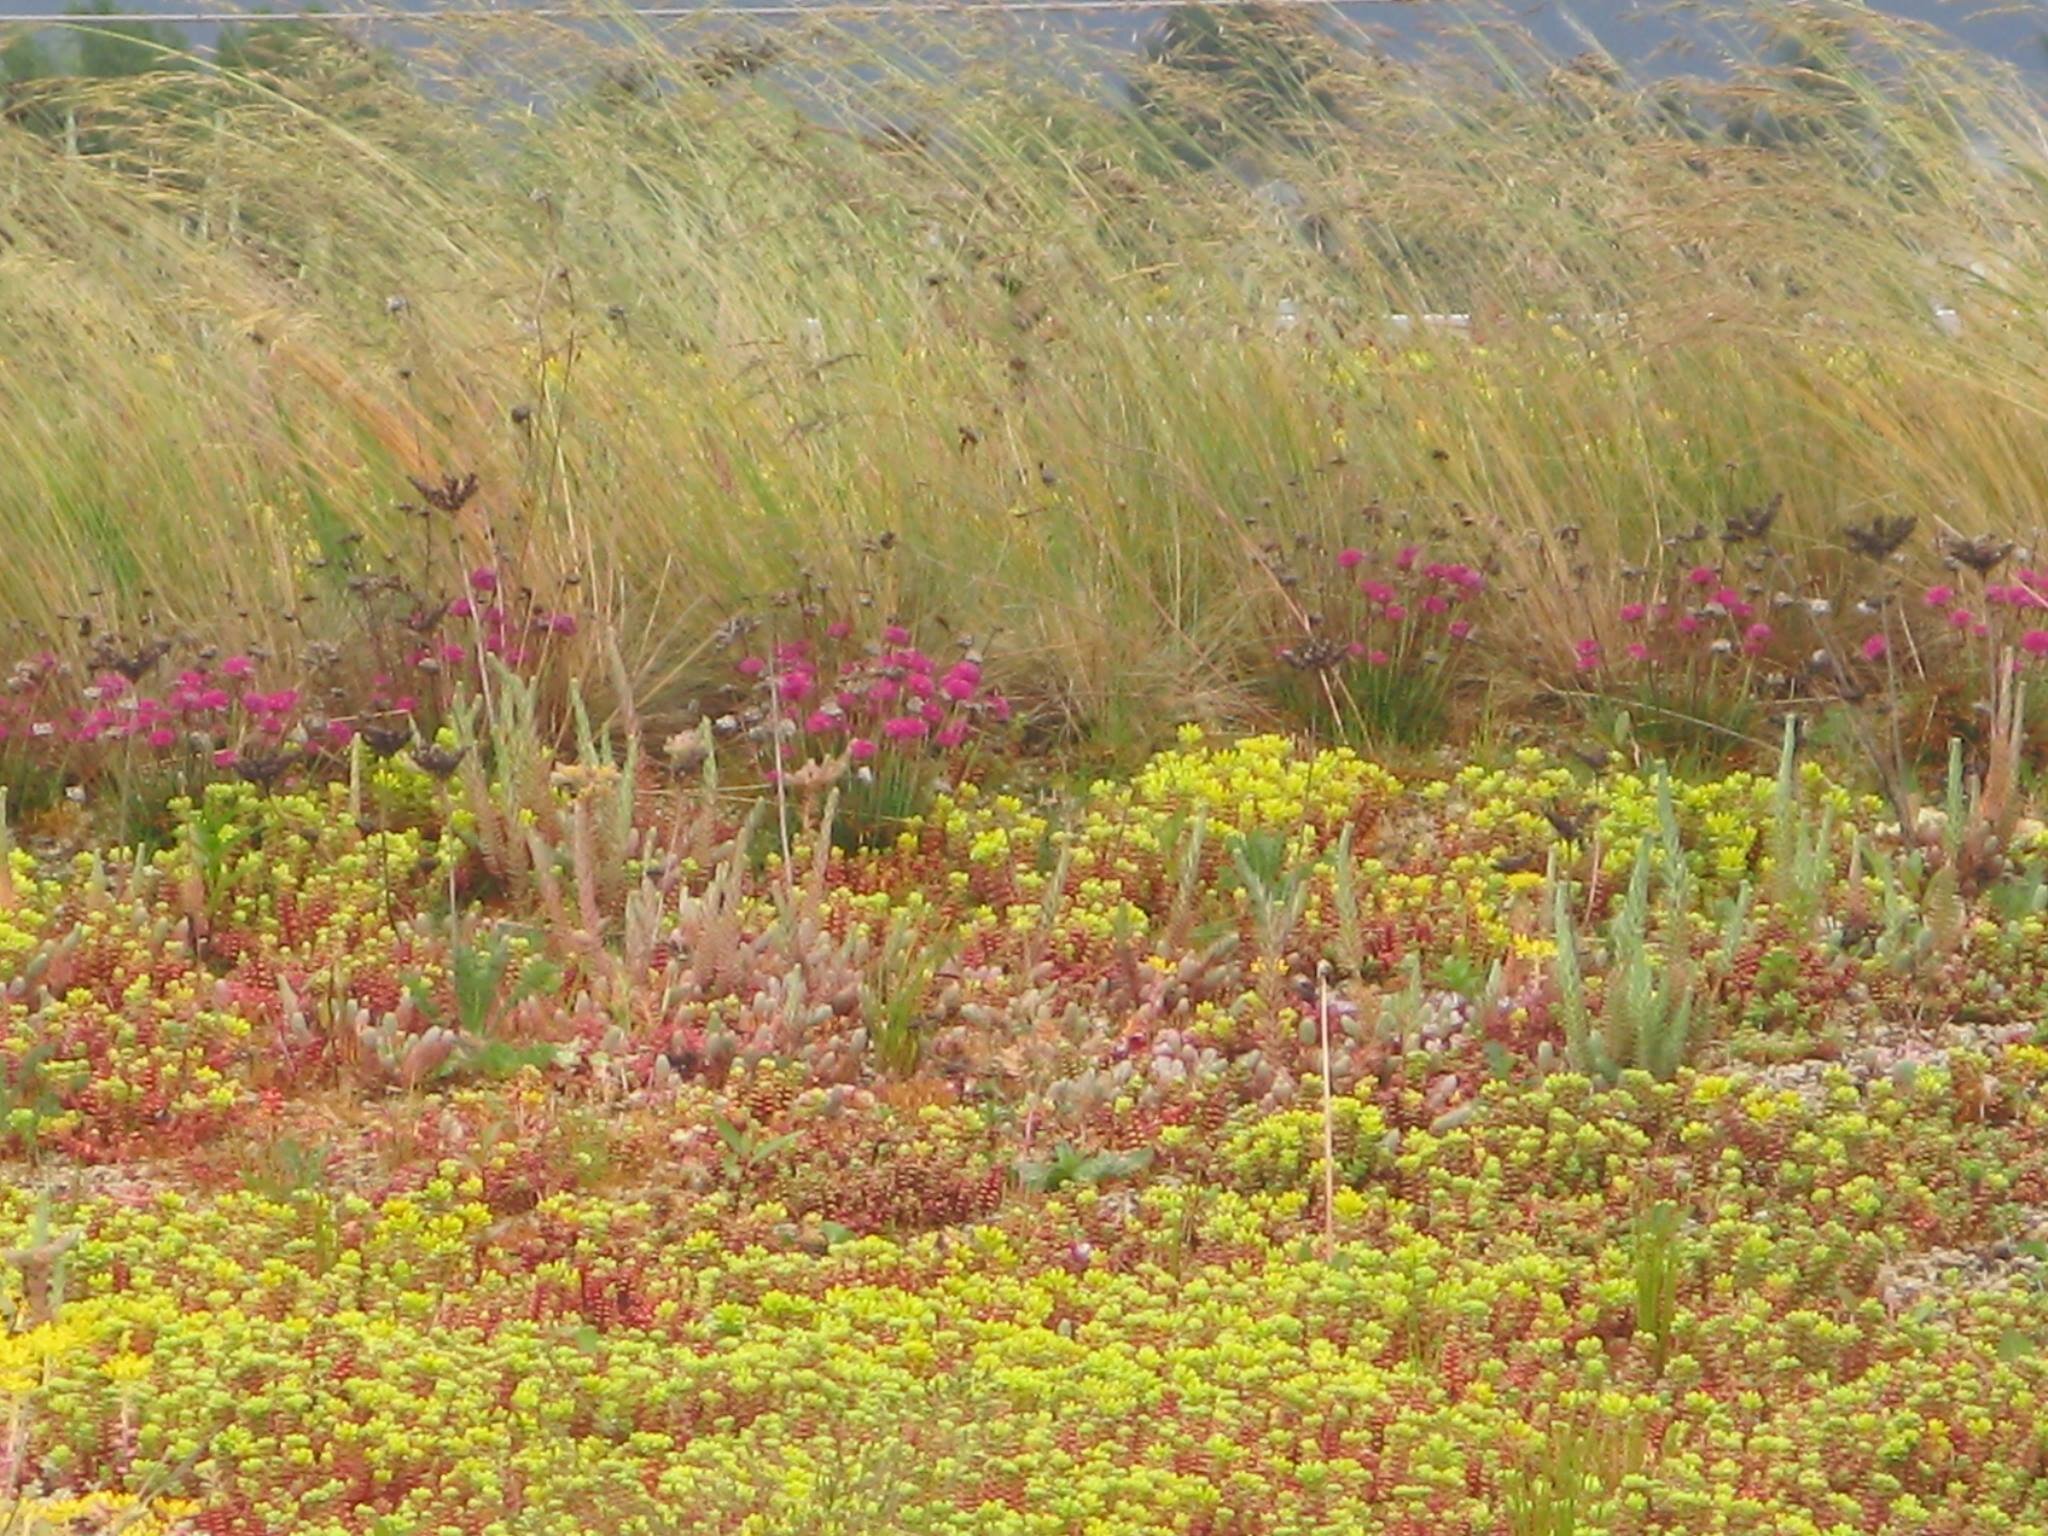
[{"x": 1946, "y": 320}]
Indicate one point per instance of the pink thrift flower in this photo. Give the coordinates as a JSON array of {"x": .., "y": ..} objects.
[
  {"x": 821, "y": 721},
  {"x": 1355, "y": 649},
  {"x": 749, "y": 666},
  {"x": 1703, "y": 575},
  {"x": 905, "y": 728},
  {"x": 896, "y": 634},
  {"x": 224, "y": 758},
  {"x": 1757, "y": 634},
  {"x": 958, "y": 688},
  {"x": 1637, "y": 651},
  {"x": 1939, "y": 596},
  {"x": 163, "y": 736},
  {"x": 1377, "y": 658},
  {"x": 1875, "y": 648},
  {"x": 453, "y": 654},
  {"x": 462, "y": 608},
  {"x": 998, "y": 708},
  {"x": 1350, "y": 559},
  {"x": 238, "y": 666},
  {"x": 932, "y": 714},
  {"x": 860, "y": 749},
  {"x": 1961, "y": 618},
  {"x": 951, "y": 735},
  {"x": 838, "y": 629},
  {"x": 793, "y": 686},
  {"x": 1688, "y": 625},
  {"x": 1396, "y": 613},
  {"x": 1633, "y": 613},
  {"x": 1377, "y": 591},
  {"x": 2035, "y": 642},
  {"x": 1435, "y": 603},
  {"x": 1405, "y": 560},
  {"x": 1461, "y": 629},
  {"x": 884, "y": 691},
  {"x": 483, "y": 579}
]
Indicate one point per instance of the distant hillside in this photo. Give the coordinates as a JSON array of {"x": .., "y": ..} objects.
[{"x": 1648, "y": 36}]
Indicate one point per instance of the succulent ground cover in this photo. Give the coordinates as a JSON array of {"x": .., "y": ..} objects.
[
  {"x": 558, "y": 973},
  {"x": 1265, "y": 1140}
]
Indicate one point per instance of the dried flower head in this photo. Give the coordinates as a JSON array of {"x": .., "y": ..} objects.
[
  {"x": 1318, "y": 655},
  {"x": 264, "y": 768},
  {"x": 451, "y": 494},
  {"x": 734, "y": 630},
  {"x": 1753, "y": 523},
  {"x": 384, "y": 738},
  {"x": 132, "y": 665},
  {"x": 1881, "y": 537},
  {"x": 438, "y": 761},
  {"x": 686, "y": 751},
  {"x": 815, "y": 775},
  {"x": 1982, "y": 555}
]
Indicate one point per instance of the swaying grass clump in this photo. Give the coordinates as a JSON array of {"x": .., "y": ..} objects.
[{"x": 931, "y": 322}]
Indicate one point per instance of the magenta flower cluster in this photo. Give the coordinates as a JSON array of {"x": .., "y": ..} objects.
[
  {"x": 2023, "y": 599},
  {"x": 515, "y": 639},
  {"x": 890, "y": 695},
  {"x": 1719, "y": 622},
  {"x": 1405, "y": 598},
  {"x": 1716, "y": 622},
  {"x": 199, "y": 707}
]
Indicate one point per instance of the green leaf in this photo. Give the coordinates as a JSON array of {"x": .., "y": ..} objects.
[{"x": 734, "y": 1138}]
